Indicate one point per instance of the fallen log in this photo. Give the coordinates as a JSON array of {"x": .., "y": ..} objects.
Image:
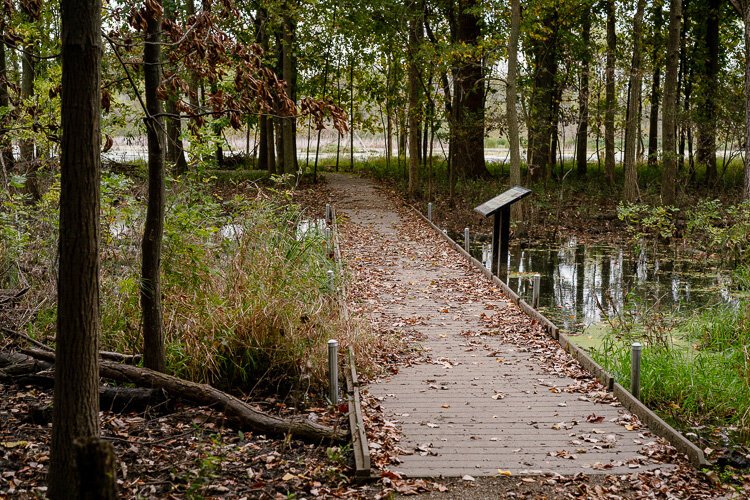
[
  {"x": 233, "y": 408},
  {"x": 131, "y": 359},
  {"x": 22, "y": 369}
]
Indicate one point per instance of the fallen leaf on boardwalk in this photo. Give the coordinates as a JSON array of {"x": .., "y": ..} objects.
[
  {"x": 445, "y": 406},
  {"x": 498, "y": 395},
  {"x": 594, "y": 418},
  {"x": 501, "y": 472},
  {"x": 468, "y": 478}
]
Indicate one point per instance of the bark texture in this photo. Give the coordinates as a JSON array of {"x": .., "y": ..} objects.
[
  {"x": 707, "y": 69},
  {"x": 511, "y": 95},
  {"x": 415, "y": 107},
  {"x": 154, "y": 356},
  {"x": 630, "y": 192},
  {"x": 669, "y": 120},
  {"x": 467, "y": 118},
  {"x": 610, "y": 97},
  {"x": 543, "y": 105},
  {"x": 657, "y": 43},
  {"x": 583, "y": 98},
  {"x": 75, "y": 399}
]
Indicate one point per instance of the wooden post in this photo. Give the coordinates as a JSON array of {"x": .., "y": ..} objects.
[
  {"x": 495, "y": 242},
  {"x": 504, "y": 242}
]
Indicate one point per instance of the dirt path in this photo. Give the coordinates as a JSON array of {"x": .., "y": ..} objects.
[{"x": 493, "y": 394}]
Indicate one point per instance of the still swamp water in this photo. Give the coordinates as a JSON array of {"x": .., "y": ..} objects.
[{"x": 586, "y": 289}]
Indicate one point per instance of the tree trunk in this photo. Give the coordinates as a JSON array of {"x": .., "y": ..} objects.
[
  {"x": 6, "y": 144},
  {"x": 270, "y": 150},
  {"x": 154, "y": 356},
  {"x": 28, "y": 67},
  {"x": 746, "y": 19},
  {"x": 544, "y": 93},
  {"x": 511, "y": 96},
  {"x": 656, "y": 58},
  {"x": 631, "y": 125},
  {"x": 289, "y": 122},
  {"x": 75, "y": 400},
  {"x": 610, "y": 98},
  {"x": 467, "y": 120},
  {"x": 415, "y": 109},
  {"x": 669, "y": 121},
  {"x": 175, "y": 149},
  {"x": 193, "y": 79},
  {"x": 95, "y": 469},
  {"x": 279, "y": 139},
  {"x": 262, "y": 143},
  {"x": 583, "y": 99},
  {"x": 707, "y": 83}
]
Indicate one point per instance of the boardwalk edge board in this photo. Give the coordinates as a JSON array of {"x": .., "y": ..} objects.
[
  {"x": 658, "y": 426},
  {"x": 358, "y": 434},
  {"x": 356, "y": 424}
]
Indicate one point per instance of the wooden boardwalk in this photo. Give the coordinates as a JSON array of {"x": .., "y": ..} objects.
[{"x": 478, "y": 404}]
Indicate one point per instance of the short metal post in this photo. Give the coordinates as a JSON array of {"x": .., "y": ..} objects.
[
  {"x": 429, "y": 211},
  {"x": 635, "y": 370},
  {"x": 535, "y": 291},
  {"x": 331, "y": 280},
  {"x": 329, "y": 219},
  {"x": 333, "y": 371},
  {"x": 466, "y": 240}
]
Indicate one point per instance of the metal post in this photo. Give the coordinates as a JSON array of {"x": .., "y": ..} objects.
[
  {"x": 331, "y": 280},
  {"x": 333, "y": 371},
  {"x": 329, "y": 219},
  {"x": 429, "y": 211},
  {"x": 635, "y": 370},
  {"x": 466, "y": 240},
  {"x": 535, "y": 291}
]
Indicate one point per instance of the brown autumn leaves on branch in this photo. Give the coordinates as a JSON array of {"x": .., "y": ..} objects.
[{"x": 206, "y": 52}]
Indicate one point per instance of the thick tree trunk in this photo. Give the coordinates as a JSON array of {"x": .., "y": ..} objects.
[
  {"x": 75, "y": 404},
  {"x": 95, "y": 469},
  {"x": 610, "y": 98},
  {"x": 543, "y": 96},
  {"x": 669, "y": 121},
  {"x": 467, "y": 120},
  {"x": 415, "y": 108},
  {"x": 289, "y": 75},
  {"x": 656, "y": 59},
  {"x": 240, "y": 413},
  {"x": 583, "y": 99},
  {"x": 631, "y": 125},
  {"x": 154, "y": 356},
  {"x": 707, "y": 83}
]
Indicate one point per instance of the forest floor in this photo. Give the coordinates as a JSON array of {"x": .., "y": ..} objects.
[{"x": 184, "y": 451}]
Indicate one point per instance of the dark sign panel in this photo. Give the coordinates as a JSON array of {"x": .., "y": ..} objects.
[{"x": 509, "y": 197}]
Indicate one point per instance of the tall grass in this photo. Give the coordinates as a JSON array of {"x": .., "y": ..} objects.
[
  {"x": 704, "y": 381},
  {"x": 245, "y": 296}
]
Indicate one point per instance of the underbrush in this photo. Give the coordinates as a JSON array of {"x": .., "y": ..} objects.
[{"x": 245, "y": 291}]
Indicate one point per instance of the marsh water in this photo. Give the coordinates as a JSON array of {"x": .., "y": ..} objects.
[{"x": 583, "y": 287}]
